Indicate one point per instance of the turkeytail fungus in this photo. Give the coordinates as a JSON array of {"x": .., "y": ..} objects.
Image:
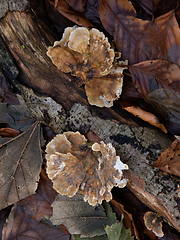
[
  {"x": 86, "y": 54},
  {"x": 153, "y": 223},
  {"x": 74, "y": 166}
]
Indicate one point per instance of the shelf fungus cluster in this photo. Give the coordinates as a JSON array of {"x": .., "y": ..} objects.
[
  {"x": 74, "y": 166},
  {"x": 87, "y": 55}
]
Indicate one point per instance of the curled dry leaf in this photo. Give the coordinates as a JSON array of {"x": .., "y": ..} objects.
[
  {"x": 152, "y": 222},
  {"x": 146, "y": 116},
  {"x": 169, "y": 161},
  {"x": 8, "y": 132},
  {"x": 20, "y": 165},
  {"x": 88, "y": 56},
  {"x": 74, "y": 166}
]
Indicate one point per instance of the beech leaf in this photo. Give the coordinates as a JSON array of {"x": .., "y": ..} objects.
[
  {"x": 164, "y": 73},
  {"x": 79, "y": 217},
  {"x": 23, "y": 227},
  {"x": 169, "y": 161},
  {"x": 20, "y": 165},
  {"x": 139, "y": 40}
]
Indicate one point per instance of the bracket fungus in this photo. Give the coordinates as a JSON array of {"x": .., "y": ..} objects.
[
  {"x": 75, "y": 166},
  {"x": 153, "y": 223},
  {"x": 86, "y": 54}
]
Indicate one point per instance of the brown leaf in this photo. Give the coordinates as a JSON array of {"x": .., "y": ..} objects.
[
  {"x": 38, "y": 205},
  {"x": 169, "y": 233},
  {"x": 139, "y": 40},
  {"x": 71, "y": 14},
  {"x": 23, "y": 227},
  {"x": 165, "y": 102},
  {"x": 4, "y": 213},
  {"x": 78, "y": 6},
  {"x": 169, "y": 161},
  {"x": 8, "y": 96},
  {"x": 161, "y": 73},
  {"x": 146, "y": 116},
  {"x": 79, "y": 217},
  {"x": 123, "y": 7},
  {"x": 20, "y": 164},
  {"x": 15, "y": 116},
  {"x": 8, "y": 132},
  {"x": 120, "y": 211},
  {"x": 147, "y": 5}
]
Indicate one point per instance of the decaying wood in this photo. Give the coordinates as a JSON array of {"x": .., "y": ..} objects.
[{"x": 27, "y": 41}]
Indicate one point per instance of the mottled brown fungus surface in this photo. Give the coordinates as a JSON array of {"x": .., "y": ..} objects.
[
  {"x": 75, "y": 166},
  {"x": 87, "y": 55},
  {"x": 153, "y": 223}
]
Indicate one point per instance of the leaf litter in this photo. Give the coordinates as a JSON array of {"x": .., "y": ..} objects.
[
  {"x": 169, "y": 161},
  {"x": 79, "y": 217},
  {"x": 20, "y": 225},
  {"x": 20, "y": 165},
  {"x": 142, "y": 46}
]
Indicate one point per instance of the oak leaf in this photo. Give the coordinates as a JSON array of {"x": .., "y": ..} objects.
[
  {"x": 79, "y": 217},
  {"x": 169, "y": 161},
  {"x": 20, "y": 165}
]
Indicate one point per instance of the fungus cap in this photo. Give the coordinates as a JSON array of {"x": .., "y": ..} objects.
[
  {"x": 74, "y": 166},
  {"x": 87, "y": 55},
  {"x": 153, "y": 223}
]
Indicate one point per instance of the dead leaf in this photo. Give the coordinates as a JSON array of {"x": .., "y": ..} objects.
[
  {"x": 70, "y": 13},
  {"x": 120, "y": 211},
  {"x": 79, "y": 217},
  {"x": 16, "y": 116},
  {"x": 123, "y": 7},
  {"x": 20, "y": 165},
  {"x": 79, "y": 6},
  {"x": 4, "y": 213},
  {"x": 8, "y": 132},
  {"x": 38, "y": 205},
  {"x": 166, "y": 103},
  {"x": 23, "y": 227},
  {"x": 169, "y": 161},
  {"x": 140, "y": 40},
  {"x": 8, "y": 96},
  {"x": 147, "y": 5},
  {"x": 169, "y": 233},
  {"x": 161, "y": 73},
  {"x": 146, "y": 116}
]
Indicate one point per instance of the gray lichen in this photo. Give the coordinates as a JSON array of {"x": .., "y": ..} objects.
[{"x": 11, "y": 5}]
